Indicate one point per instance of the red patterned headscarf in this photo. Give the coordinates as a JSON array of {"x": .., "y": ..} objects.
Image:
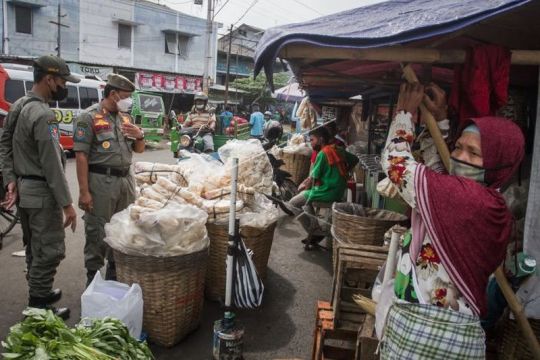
[{"x": 469, "y": 223}]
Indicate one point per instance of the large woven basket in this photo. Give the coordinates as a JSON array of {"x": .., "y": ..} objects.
[
  {"x": 354, "y": 229},
  {"x": 173, "y": 292},
  {"x": 256, "y": 239},
  {"x": 297, "y": 165},
  {"x": 512, "y": 345}
]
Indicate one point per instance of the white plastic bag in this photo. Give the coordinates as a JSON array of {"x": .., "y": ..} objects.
[{"x": 105, "y": 298}]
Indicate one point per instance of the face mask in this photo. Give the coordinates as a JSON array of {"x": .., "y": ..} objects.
[
  {"x": 199, "y": 106},
  {"x": 469, "y": 171},
  {"x": 123, "y": 105},
  {"x": 60, "y": 93}
]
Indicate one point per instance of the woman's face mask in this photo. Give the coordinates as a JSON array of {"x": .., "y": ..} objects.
[{"x": 469, "y": 171}]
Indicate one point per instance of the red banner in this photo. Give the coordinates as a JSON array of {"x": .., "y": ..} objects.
[{"x": 168, "y": 83}]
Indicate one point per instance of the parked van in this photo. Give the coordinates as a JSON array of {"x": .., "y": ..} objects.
[
  {"x": 148, "y": 111},
  {"x": 16, "y": 80}
]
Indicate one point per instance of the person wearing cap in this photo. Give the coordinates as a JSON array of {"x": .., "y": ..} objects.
[
  {"x": 33, "y": 171},
  {"x": 104, "y": 141},
  {"x": 256, "y": 121},
  {"x": 202, "y": 118}
]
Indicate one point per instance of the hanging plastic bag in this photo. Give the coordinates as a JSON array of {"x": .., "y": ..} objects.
[{"x": 105, "y": 298}]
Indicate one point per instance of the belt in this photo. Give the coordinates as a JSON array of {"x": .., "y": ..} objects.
[
  {"x": 98, "y": 169},
  {"x": 33, "y": 177}
]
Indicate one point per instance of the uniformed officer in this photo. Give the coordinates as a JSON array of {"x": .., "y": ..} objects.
[
  {"x": 33, "y": 169},
  {"x": 104, "y": 140},
  {"x": 201, "y": 117}
]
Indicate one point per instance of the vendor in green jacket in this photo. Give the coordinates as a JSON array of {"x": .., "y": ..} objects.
[{"x": 328, "y": 177}]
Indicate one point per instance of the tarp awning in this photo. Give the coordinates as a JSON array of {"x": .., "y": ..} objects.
[{"x": 397, "y": 22}]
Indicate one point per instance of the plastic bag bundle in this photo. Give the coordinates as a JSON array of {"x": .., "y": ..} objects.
[
  {"x": 175, "y": 229},
  {"x": 148, "y": 173},
  {"x": 254, "y": 168},
  {"x": 260, "y": 214}
]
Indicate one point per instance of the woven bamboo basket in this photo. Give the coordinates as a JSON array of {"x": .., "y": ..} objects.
[
  {"x": 297, "y": 165},
  {"x": 512, "y": 345},
  {"x": 256, "y": 239},
  {"x": 173, "y": 292},
  {"x": 354, "y": 229}
]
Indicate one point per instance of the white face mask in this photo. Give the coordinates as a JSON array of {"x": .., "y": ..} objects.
[
  {"x": 199, "y": 106},
  {"x": 124, "y": 105}
]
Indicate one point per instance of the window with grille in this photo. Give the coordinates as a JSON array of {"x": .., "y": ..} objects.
[
  {"x": 124, "y": 36},
  {"x": 23, "y": 19}
]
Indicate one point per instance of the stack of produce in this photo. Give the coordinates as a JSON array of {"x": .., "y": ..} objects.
[
  {"x": 238, "y": 122},
  {"x": 42, "y": 335}
]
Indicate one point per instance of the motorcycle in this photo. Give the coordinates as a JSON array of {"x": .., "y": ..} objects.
[
  {"x": 191, "y": 139},
  {"x": 285, "y": 189}
]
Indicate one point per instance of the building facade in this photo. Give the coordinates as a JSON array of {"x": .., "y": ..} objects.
[{"x": 157, "y": 47}]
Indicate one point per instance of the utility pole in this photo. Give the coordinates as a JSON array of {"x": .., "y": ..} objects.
[
  {"x": 228, "y": 67},
  {"x": 207, "y": 55},
  {"x": 59, "y": 25}
]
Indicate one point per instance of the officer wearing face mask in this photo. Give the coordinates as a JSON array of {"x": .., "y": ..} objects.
[
  {"x": 104, "y": 141},
  {"x": 201, "y": 118},
  {"x": 34, "y": 179}
]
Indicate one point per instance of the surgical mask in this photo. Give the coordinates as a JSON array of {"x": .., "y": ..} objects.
[
  {"x": 124, "y": 105},
  {"x": 60, "y": 93},
  {"x": 199, "y": 106},
  {"x": 469, "y": 171}
]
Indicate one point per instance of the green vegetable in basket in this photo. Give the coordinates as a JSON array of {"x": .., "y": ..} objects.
[{"x": 44, "y": 336}]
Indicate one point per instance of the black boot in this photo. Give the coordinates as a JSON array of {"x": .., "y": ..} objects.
[
  {"x": 38, "y": 302},
  {"x": 54, "y": 296}
]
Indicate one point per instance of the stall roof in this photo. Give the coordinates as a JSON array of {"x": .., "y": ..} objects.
[{"x": 394, "y": 23}]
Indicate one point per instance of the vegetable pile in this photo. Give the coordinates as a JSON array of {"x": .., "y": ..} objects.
[{"x": 43, "y": 336}]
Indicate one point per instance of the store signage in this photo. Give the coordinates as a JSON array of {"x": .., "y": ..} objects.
[
  {"x": 167, "y": 83},
  {"x": 99, "y": 71}
]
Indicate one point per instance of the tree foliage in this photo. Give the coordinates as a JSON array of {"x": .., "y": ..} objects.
[{"x": 258, "y": 89}]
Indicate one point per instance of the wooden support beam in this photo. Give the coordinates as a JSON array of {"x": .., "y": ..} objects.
[{"x": 397, "y": 54}]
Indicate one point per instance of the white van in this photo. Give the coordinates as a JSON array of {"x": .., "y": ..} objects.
[{"x": 87, "y": 92}]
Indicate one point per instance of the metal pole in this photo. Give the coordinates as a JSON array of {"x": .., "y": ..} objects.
[
  {"x": 58, "y": 36},
  {"x": 228, "y": 68},
  {"x": 209, "y": 30},
  {"x": 232, "y": 235},
  {"x": 5, "y": 45}
]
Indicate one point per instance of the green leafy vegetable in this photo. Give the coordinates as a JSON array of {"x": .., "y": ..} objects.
[{"x": 44, "y": 336}]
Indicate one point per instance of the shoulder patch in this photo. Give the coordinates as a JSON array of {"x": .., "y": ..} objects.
[
  {"x": 53, "y": 131},
  {"x": 80, "y": 133}
]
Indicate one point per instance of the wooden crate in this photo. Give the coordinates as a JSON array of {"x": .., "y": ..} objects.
[
  {"x": 330, "y": 343},
  {"x": 354, "y": 273},
  {"x": 367, "y": 342}
]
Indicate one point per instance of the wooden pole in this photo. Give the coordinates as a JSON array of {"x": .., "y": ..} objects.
[
  {"x": 431, "y": 123},
  {"x": 519, "y": 314},
  {"x": 396, "y": 54},
  {"x": 511, "y": 299}
]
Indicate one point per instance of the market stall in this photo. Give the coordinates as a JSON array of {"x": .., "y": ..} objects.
[{"x": 364, "y": 51}]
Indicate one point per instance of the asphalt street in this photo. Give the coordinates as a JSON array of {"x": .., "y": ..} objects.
[{"x": 282, "y": 328}]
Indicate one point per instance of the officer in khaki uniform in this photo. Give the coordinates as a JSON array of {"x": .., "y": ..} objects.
[
  {"x": 104, "y": 140},
  {"x": 33, "y": 171}
]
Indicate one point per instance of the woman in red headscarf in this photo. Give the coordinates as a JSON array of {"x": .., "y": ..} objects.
[{"x": 461, "y": 226}]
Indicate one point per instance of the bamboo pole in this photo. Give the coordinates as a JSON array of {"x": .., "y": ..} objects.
[
  {"x": 511, "y": 299},
  {"x": 519, "y": 314},
  {"x": 431, "y": 123},
  {"x": 396, "y": 54}
]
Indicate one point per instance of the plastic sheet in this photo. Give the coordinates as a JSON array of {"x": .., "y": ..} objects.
[
  {"x": 173, "y": 230},
  {"x": 254, "y": 168},
  {"x": 261, "y": 214}
]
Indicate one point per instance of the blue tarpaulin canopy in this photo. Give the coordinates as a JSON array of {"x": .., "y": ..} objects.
[{"x": 405, "y": 23}]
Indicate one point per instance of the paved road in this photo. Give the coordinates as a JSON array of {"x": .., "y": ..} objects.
[{"x": 281, "y": 329}]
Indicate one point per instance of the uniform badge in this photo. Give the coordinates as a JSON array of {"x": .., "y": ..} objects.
[
  {"x": 100, "y": 124},
  {"x": 106, "y": 145},
  {"x": 53, "y": 131},
  {"x": 80, "y": 133}
]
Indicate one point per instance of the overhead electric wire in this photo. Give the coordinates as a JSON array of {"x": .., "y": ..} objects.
[
  {"x": 308, "y": 7},
  {"x": 245, "y": 12}
]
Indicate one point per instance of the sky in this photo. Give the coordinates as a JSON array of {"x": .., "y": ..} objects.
[{"x": 266, "y": 13}]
